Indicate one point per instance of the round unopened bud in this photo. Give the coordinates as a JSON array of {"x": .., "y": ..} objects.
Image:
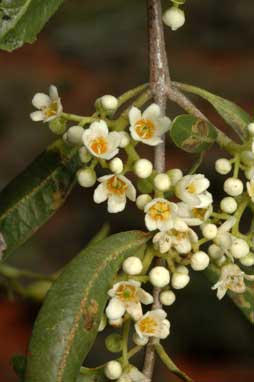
[
  {"x": 86, "y": 177},
  {"x": 74, "y": 135},
  {"x": 167, "y": 297},
  {"x": 116, "y": 323},
  {"x": 248, "y": 260},
  {"x": 143, "y": 168},
  {"x": 159, "y": 277},
  {"x": 84, "y": 155},
  {"x": 58, "y": 126},
  {"x": 249, "y": 172},
  {"x": 140, "y": 341},
  {"x": 175, "y": 175},
  {"x": 239, "y": 248},
  {"x": 228, "y": 205},
  {"x": 223, "y": 166},
  {"x": 215, "y": 252},
  {"x": 251, "y": 128},
  {"x": 103, "y": 323},
  {"x": 182, "y": 269},
  {"x": 209, "y": 231},
  {"x": 114, "y": 343},
  {"x": 180, "y": 280},
  {"x": 199, "y": 261},
  {"x": 109, "y": 102},
  {"x": 142, "y": 200},
  {"x": 162, "y": 182},
  {"x": 114, "y": 310},
  {"x": 132, "y": 266},
  {"x": 174, "y": 18},
  {"x": 125, "y": 139},
  {"x": 233, "y": 186},
  {"x": 116, "y": 165},
  {"x": 113, "y": 370}
]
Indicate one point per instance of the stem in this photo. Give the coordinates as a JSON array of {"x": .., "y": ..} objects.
[
  {"x": 159, "y": 83},
  {"x": 126, "y": 330}
]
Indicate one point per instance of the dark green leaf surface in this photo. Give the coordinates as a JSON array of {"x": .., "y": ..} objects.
[
  {"x": 192, "y": 134},
  {"x": 35, "y": 195},
  {"x": 244, "y": 301},
  {"x": 233, "y": 114},
  {"x": 19, "y": 365},
  {"x": 68, "y": 321},
  {"x": 22, "y": 20},
  {"x": 92, "y": 375}
]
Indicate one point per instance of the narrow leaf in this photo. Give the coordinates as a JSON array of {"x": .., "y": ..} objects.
[
  {"x": 244, "y": 301},
  {"x": 36, "y": 194},
  {"x": 68, "y": 321},
  {"x": 232, "y": 114},
  {"x": 22, "y": 20},
  {"x": 192, "y": 134}
]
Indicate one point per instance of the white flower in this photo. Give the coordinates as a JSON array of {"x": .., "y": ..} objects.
[
  {"x": 191, "y": 189},
  {"x": 100, "y": 142},
  {"x": 149, "y": 126},
  {"x": 115, "y": 189},
  {"x": 224, "y": 238},
  {"x": 199, "y": 261},
  {"x": 153, "y": 324},
  {"x": 130, "y": 295},
  {"x": 232, "y": 278},
  {"x": 49, "y": 106},
  {"x": 193, "y": 216},
  {"x": 160, "y": 214},
  {"x": 159, "y": 277},
  {"x": 132, "y": 374},
  {"x": 174, "y": 18},
  {"x": 113, "y": 370},
  {"x": 143, "y": 168},
  {"x": 233, "y": 186},
  {"x": 175, "y": 174},
  {"x": 250, "y": 189},
  {"x": 162, "y": 182}
]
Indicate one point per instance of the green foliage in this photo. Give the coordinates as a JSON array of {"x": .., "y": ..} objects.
[
  {"x": 92, "y": 375},
  {"x": 35, "y": 195},
  {"x": 192, "y": 134},
  {"x": 244, "y": 301},
  {"x": 19, "y": 365},
  {"x": 22, "y": 20},
  {"x": 68, "y": 322},
  {"x": 232, "y": 114}
]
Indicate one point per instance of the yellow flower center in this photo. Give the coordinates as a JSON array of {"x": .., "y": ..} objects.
[
  {"x": 159, "y": 211},
  {"x": 199, "y": 213},
  {"x": 145, "y": 128},
  {"x": 116, "y": 186},
  {"x": 99, "y": 145},
  {"x": 179, "y": 235},
  {"x": 148, "y": 325},
  {"x": 127, "y": 293},
  {"x": 191, "y": 188},
  {"x": 51, "y": 110}
]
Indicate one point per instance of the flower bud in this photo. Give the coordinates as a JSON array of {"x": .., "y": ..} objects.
[
  {"x": 143, "y": 168},
  {"x": 125, "y": 139},
  {"x": 199, "y": 261},
  {"x": 116, "y": 323},
  {"x": 248, "y": 260},
  {"x": 132, "y": 266},
  {"x": 215, "y": 252},
  {"x": 162, "y": 182},
  {"x": 180, "y": 280},
  {"x": 159, "y": 277},
  {"x": 109, "y": 103},
  {"x": 167, "y": 297},
  {"x": 139, "y": 341},
  {"x": 209, "y": 231},
  {"x": 228, "y": 205},
  {"x": 174, "y": 18},
  {"x": 175, "y": 175},
  {"x": 113, "y": 370},
  {"x": 58, "y": 126},
  {"x": 114, "y": 343},
  {"x": 239, "y": 248},
  {"x": 116, "y": 165},
  {"x": 233, "y": 186},
  {"x": 142, "y": 200},
  {"x": 251, "y": 128},
  {"x": 114, "y": 310},
  {"x": 74, "y": 135},
  {"x": 182, "y": 269},
  {"x": 86, "y": 177},
  {"x": 84, "y": 155},
  {"x": 223, "y": 166},
  {"x": 249, "y": 172}
]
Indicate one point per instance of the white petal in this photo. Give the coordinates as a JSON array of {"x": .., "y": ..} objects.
[
  {"x": 152, "y": 141},
  {"x": 145, "y": 297},
  {"x": 134, "y": 135},
  {"x": 134, "y": 115},
  {"x": 116, "y": 204},
  {"x": 165, "y": 123},
  {"x": 152, "y": 112},
  {"x": 151, "y": 224},
  {"x": 201, "y": 184},
  {"x": 41, "y": 100},
  {"x": 131, "y": 193},
  {"x": 183, "y": 247},
  {"x": 100, "y": 194},
  {"x": 37, "y": 116},
  {"x": 98, "y": 128},
  {"x": 221, "y": 292},
  {"x": 53, "y": 92},
  {"x": 108, "y": 155},
  {"x": 135, "y": 311}
]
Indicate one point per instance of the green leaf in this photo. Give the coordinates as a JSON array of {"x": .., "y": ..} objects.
[
  {"x": 36, "y": 194},
  {"x": 22, "y": 20},
  {"x": 244, "y": 301},
  {"x": 92, "y": 375},
  {"x": 232, "y": 114},
  {"x": 68, "y": 321},
  {"x": 19, "y": 365},
  {"x": 192, "y": 134}
]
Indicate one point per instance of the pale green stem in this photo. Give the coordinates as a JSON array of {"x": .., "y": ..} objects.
[
  {"x": 238, "y": 215},
  {"x": 78, "y": 118},
  {"x": 237, "y": 166},
  {"x": 126, "y": 330}
]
